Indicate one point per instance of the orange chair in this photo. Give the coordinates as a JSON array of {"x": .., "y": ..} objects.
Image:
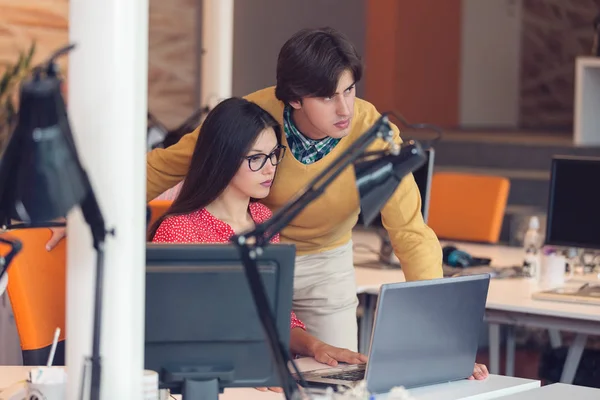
[
  {"x": 37, "y": 291},
  {"x": 158, "y": 209},
  {"x": 468, "y": 207}
]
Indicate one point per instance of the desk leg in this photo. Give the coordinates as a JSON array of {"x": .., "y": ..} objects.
[
  {"x": 366, "y": 325},
  {"x": 573, "y": 357},
  {"x": 555, "y": 338},
  {"x": 510, "y": 351},
  {"x": 494, "y": 348}
]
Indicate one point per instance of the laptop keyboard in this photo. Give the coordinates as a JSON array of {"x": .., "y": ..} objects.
[{"x": 355, "y": 375}]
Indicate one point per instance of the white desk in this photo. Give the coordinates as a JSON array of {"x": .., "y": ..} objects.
[
  {"x": 557, "y": 391},
  {"x": 492, "y": 388},
  {"x": 509, "y": 303}
]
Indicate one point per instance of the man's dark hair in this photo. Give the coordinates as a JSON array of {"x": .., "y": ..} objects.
[{"x": 310, "y": 64}]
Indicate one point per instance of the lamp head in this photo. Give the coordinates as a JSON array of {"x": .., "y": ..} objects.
[
  {"x": 41, "y": 177},
  {"x": 378, "y": 176}
]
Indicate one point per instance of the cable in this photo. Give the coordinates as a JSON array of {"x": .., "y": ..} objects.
[{"x": 419, "y": 126}]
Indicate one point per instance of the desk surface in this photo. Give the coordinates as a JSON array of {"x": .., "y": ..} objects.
[
  {"x": 494, "y": 387},
  {"x": 512, "y": 295},
  {"x": 557, "y": 391}
]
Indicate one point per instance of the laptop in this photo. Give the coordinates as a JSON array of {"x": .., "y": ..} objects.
[{"x": 425, "y": 332}]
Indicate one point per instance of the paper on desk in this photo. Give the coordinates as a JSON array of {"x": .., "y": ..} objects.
[{"x": 47, "y": 375}]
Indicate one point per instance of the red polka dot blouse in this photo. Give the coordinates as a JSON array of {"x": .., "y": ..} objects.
[{"x": 202, "y": 227}]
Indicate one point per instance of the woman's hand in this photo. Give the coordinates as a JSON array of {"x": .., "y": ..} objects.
[
  {"x": 330, "y": 355},
  {"x": 480, "y": 372},
  {"x": 304, "y": 344},
  {"x": 58, "y": 234}
]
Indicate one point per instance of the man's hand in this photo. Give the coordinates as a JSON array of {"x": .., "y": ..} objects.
[
  {"x": 480, "y": 372},
  {"x": 330, "y": 355},
  {"x": 58, "y": 234}
]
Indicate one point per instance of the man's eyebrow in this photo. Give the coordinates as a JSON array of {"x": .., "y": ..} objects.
[{"x": 349, "y": 87}]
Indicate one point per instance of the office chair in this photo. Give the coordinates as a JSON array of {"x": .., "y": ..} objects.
[
  {"x": 37, "y": 291},
  {"x": 158, "y": 208},
  {"x": 468, "y": 207}
]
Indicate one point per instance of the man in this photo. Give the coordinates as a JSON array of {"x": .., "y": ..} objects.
[{"x": 314, "y": 100}]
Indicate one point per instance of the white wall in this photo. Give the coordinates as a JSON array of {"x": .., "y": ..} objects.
[
  {"x": 490, "y": 63},
  {"x": 261, "y": 27}
]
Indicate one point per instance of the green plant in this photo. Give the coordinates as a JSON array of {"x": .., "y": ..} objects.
[{"x": 11, "y": 79}]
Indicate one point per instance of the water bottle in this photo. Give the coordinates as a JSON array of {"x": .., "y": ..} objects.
[{"x": 532, "y": 247}]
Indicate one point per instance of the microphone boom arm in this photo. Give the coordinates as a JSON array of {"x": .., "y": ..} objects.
[
  {"x": 264, "y": 232},
  {"x": 251, "y": 243}
]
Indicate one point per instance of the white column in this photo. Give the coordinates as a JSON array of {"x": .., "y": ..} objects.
[
  {"x": 217, "y": 51},
  {"x": 107, "y": 107}
]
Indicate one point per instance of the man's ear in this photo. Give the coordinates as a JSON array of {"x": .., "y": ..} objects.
[{"x": 296, "y": 104}]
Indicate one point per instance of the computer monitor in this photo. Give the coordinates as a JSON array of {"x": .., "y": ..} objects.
[
  {"x": 573, "y": 218},
  {"x": 422, "y": 177},
  {"x": 203, "y": 333}
]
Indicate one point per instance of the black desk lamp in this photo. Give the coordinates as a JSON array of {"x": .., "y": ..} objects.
[
  {"x": 378, "y": 174},
  {"x": 41, "y": 177}
]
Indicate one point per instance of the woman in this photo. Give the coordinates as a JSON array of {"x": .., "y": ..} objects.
[{"x": 233, "y": 163}]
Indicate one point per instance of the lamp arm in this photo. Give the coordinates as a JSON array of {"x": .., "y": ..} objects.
[
  {"x": 265, "y": 313},
  {"x": 263, "y": 233},
  {"x": 94, "y": 218},
  {"x": 250, "y": 244},
  {"x": 5, "y": 261}
]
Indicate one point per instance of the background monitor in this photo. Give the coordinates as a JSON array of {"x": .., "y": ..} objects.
[
  {"x": 423, "y": 177},
  {"x": 573, "y": 218},
  {"x": 203, "y": 333}
]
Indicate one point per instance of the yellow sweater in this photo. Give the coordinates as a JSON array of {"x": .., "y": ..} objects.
[{"x": 328, "y": 221}]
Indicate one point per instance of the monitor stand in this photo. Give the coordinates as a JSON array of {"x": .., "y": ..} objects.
[
  {"x": 200, "y": 389},
  {"x": 387, "y": 258},
  {"x": 197, "y": 382}
]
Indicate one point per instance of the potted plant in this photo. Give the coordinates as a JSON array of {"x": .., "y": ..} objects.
[{"x": 12, "y": 76}]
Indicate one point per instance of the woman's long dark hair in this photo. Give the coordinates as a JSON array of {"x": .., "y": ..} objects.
[{"x": 226, "y": 136}]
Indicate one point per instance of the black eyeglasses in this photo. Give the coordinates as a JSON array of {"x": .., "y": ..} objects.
[{"x": 257, "y": 161}]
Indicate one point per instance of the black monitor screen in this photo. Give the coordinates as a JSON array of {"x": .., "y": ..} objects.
[
  {"x": 574, "y": 203},
  {"x": 201, "y": 321}
]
